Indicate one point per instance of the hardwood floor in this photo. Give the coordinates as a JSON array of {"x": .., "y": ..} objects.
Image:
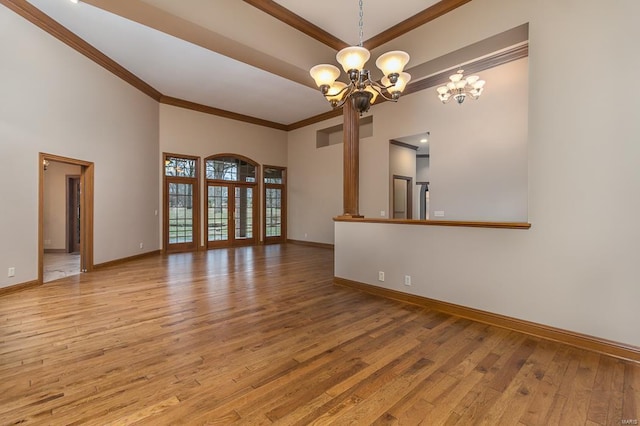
[{"x": 259, "y": 335}]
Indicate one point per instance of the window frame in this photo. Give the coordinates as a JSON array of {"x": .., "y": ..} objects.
[
  {"x": 283, "y": 205},
  {"x": 194, "y": 245}
]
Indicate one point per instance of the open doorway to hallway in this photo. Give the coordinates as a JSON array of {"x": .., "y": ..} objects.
[
  {"x": 65, "y": 217},
  {"x": 61, "y": 220}
]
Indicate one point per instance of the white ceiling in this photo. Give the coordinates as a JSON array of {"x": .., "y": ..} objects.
[
  {"x": 341, "y": 18},
  {"x": 262, "y": 68}
]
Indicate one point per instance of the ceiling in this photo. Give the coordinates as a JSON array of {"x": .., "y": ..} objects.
[{"x": 249, "y": 58}]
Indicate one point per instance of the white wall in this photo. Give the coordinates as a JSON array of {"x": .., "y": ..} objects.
[
  {"x": 422, "y": 169},
  {"x": 314, "y": 192},
  {"x": 478, "y": 150},
  {"x": 576, "y": 268},
  {"x": 194, "y": 133},
  {"x": 56, "y": 101},
  {"x": 55, "y": 204}
]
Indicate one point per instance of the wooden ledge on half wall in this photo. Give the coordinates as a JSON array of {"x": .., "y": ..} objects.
[{"x": 463, "y": 223}]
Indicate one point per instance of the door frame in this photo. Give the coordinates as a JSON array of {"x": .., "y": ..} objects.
[
  {"x": 409, "y": 196},
  {"x": 86, "y": 210}
]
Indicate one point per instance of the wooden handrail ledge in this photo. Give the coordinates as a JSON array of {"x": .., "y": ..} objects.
[{"x": 464, "y": 223}]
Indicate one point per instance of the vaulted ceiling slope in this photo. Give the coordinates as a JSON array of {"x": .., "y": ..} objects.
[{"x": 247, "y": 60}]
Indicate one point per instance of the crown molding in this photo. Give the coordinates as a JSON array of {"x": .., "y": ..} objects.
[
  {"x": 168, "y": 100},
  {"x": 403, "y": 144}
]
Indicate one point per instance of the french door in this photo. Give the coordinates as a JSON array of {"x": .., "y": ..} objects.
[
  {"x": 232, "y": 208},
  {"x": 231, "y": 212}
]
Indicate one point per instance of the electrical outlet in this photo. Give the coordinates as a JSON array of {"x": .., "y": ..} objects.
[
  {"x": 11, "y": 272},
  {"x": 438, "y": 213},
  {"x": 407, "y": 280},
  {"x": 383, "y": 213},
  {"x": 380, "y": 276},
  {"x": 141, "y": 245}
]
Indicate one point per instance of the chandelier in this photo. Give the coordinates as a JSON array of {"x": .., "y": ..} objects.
[
  {"x": 361, "y": 88},
  {"x": 459, "y": 87}
]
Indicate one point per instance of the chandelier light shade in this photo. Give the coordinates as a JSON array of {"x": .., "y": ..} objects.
[
  {"x": 361, "y": 89},
  {"x": 353, "y": 58},
  {"x": 460, "y": 87},
  {"x": 392, "y": 62},
  {"x": 325, "y": 74},
  {"x": 396, "y": 89}
]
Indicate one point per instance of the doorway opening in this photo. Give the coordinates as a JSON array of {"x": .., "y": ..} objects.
[
  {"x": 402, "y": 197},
  {"x": 65, "y": 217}
]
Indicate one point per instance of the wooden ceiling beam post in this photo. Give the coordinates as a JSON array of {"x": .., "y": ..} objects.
[{"x": 351, "y": 166}]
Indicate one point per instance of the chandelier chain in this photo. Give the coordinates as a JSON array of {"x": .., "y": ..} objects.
[{"x": 361, "y": 23}]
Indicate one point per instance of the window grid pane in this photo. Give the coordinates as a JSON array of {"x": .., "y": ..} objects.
[
  {"x": 218, "y": 218},
  {"x": 243, "y": 213},
  {"x": 273, "y": 176},
  {"x": 183, "y": 167},
  {"x": 230, "y": 169},
  {"x": 273, "y": 212},
  {"x": 180, "y": 213}
]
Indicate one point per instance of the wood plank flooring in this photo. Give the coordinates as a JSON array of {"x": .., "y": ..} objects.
[{"x": 259, "y": 335}]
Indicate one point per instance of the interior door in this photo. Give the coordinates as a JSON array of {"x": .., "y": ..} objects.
[
  {"x": 402, "y": 202},
  {"x": 73, "y": 214}
]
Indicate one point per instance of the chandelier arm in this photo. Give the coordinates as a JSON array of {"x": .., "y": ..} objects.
[
  {"x": 474, "y": 97},
  {"x": 377, "y": 85},
  {"x": 341, "y": 103},
  {"x": 381, "y": 93},
  {"x": 380, "y": 87},
  {"x": 327, "y": 95},
  {"x": 468, "y": 93},
  {"x": 350, "y": 89}
]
